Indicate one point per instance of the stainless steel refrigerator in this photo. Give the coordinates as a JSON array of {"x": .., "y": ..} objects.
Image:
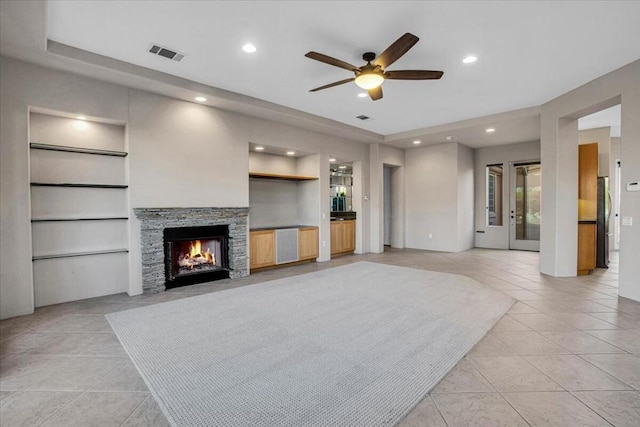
[{"x": 604, "y": 215}]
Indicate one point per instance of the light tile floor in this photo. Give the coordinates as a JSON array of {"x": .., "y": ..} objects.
[{"x": 566, "y": 354}]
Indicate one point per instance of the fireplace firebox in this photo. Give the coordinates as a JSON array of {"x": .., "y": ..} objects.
[{"x": 196, "y": 254}]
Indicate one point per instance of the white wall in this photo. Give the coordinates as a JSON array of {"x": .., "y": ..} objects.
[
  {"x": 497, "y": 237},
  {"x": 433, "y": 197},
  {"x": 184, "y": 154},
  {"x": 308, "y": 192},
  {"x": 465, "y": 230},
  {"x": 559, "y": 140},
  {"x": 379, "y": 156},
  {"x": 271, "y": 163},
  {"x": 613, "y": 182},
  {"x": 360, "y": 206},
  {"x": 274, "y": 203}
]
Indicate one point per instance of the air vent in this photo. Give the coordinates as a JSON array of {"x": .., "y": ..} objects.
[
  {"x": 363, "y": 117},
  {"x": 166, "y": 53}
]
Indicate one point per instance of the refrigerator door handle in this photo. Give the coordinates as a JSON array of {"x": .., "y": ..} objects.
[{"x": 610, "y": 206}]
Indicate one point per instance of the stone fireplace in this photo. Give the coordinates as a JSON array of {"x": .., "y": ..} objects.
[{"x": 181, "y": 246}]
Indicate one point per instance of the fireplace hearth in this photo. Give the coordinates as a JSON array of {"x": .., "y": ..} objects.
[{"x": 196, "y": 254}]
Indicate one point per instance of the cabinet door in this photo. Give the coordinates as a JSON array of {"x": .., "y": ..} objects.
[
  {"x": 349, "y": 236},
  {"x": 343, "y": 236},
  {"x": 336, "y": 237},
  {"x": 587, "y": 181},
  {"x": 262, "y": 248},
  {"x": 308, "y": 243},
  {"x": 586, "y": 248}
]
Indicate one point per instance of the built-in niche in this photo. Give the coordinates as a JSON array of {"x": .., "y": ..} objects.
[
  {"x": 79, "y": 208},
  {"x": 341, "y": 188},
  {"x": 284, "y": 189}
]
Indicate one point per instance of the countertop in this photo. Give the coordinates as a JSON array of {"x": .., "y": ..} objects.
[
  {"x": 282, "y": 228},
  {"x": 587, "y": 221}
]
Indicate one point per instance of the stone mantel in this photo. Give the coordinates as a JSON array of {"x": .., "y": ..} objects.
[{"x": 154, "y": 220}]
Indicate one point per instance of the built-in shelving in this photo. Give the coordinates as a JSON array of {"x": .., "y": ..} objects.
[
  {"x": 107, "y": 218},
  {"x": 79, "y": 209},
  {"x": 77, "y": 254},
  {"x": 281, "y": 176},
  {"x": 63, "y": 148},
  {"x": 68, "y": 184}
]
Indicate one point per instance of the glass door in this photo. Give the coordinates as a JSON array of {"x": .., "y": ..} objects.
[{"x": 524, "y": 210}]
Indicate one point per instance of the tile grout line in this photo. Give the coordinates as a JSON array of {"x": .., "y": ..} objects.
[
  {"x": 502, "y": 396},
  {"x": 605, "y": 372},
  {"x": 594, "y": 411},
  {"x": 438, "y": 409},
  {"x": 62, "y": 407},
  {"x": 150, "y": 396}
]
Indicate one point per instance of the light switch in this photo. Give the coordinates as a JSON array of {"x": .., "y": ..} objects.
[
  {"x": 633, "y": 186},
  {"x": 627, "y": 220}
]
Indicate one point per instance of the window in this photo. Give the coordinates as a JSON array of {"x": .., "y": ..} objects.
[{"x": 494, "y": 194}]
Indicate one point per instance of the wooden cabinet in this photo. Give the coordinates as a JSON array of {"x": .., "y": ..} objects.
[
  {"x": 262, "y": 248},
  {"x": 343, "y": 237},
  {"x": 308, "y": 243},
  {"x": 586, "y": 248},
  {"x": 587, "y": 206},
  {"x": 264, "y": 253},
  {"x": 587, "y": 181}
]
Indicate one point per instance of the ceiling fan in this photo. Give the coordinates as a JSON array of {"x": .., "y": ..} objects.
[{"x": 372, "y": 75}]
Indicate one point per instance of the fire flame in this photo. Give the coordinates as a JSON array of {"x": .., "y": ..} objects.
[
  {"x": 196, "y": 256},
  {"x": 195, "y": 249}
]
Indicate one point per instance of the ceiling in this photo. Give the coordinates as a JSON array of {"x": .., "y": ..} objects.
[{"x": 529, "y": 53}]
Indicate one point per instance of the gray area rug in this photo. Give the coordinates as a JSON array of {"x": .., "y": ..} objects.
[{"x": 357, "y": 345}]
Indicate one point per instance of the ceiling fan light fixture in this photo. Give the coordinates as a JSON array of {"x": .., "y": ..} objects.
[{"x": 369, "y": 81}]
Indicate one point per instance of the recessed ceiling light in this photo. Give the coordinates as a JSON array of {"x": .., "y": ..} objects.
[
  {"x": 490, "y": 130},
  {"x": 249, "y": 48},
  {"x": 259, "y": 148},
  {"x": 342, "y": 167},
  {"x": 200, "y": 99},
  {"x": 81, "y": 118},
  {"x": 449, "y": 138},
  {"x": 470, "y": 59},
  {"x": 331, "y": 159},
  {"x": 291, "y": 153},
  {"x": 362, "y": 95},
  {"x": 416, "y": 142}
]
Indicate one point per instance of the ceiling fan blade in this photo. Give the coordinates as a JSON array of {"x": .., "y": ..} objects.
[
  {"x": 396, "y": 50},
  {"x": 413, "y": 75},
  {"x": 341, "y": 82},
  {"x": 375, "y": 93},
  {"x": 331, "y": 61}
]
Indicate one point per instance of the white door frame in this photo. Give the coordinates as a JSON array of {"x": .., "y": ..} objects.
[{"x": 515, "y": 244}]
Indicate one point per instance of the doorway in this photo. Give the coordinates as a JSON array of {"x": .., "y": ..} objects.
[
  {"x": 392, "y": 227},
  {"x": 386, "y": 179},
  {"x": 524, "y": 206}
]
